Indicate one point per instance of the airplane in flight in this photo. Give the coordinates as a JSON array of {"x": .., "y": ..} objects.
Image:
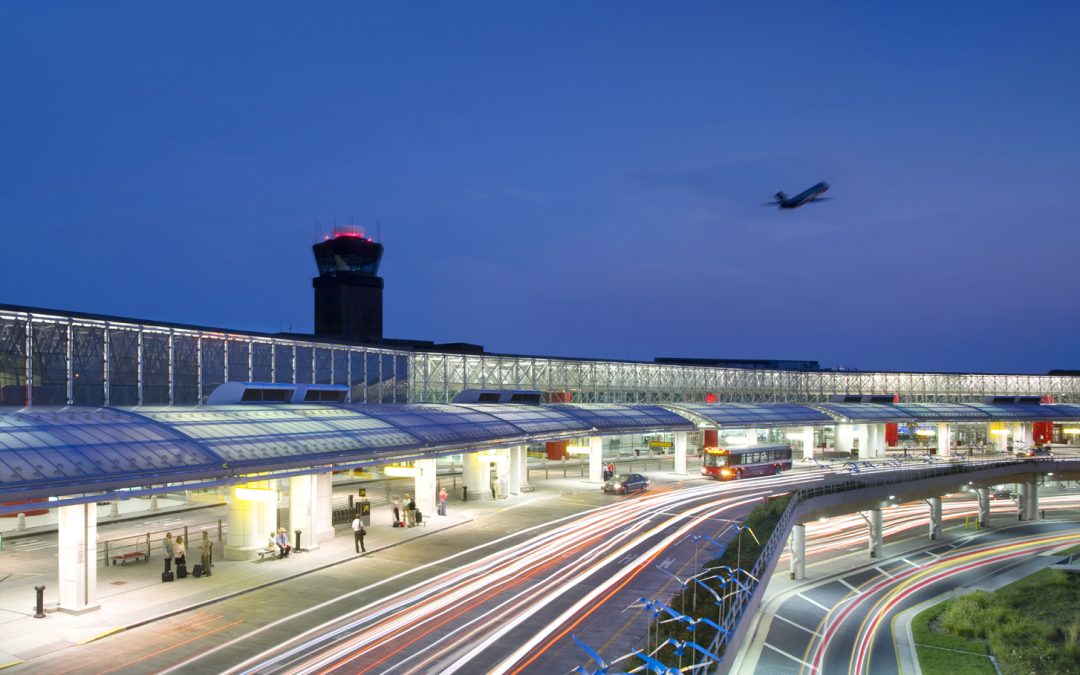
[{"x": 812, "y": 194}]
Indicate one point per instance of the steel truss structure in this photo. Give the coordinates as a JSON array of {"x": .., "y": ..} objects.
[
  {"x": 53, "y": 359},
  {"x": 68, "y": 359},
  {"x": 438, "y": 377}
]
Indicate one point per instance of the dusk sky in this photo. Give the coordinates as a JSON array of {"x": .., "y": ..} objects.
[{"x": 564, "y": 179}]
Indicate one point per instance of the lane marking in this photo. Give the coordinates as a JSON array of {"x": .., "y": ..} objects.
[
  {"x": 813, "y": 602},
  {"x": 793, "y": 658},
  {"x": 808, "y": 630}
]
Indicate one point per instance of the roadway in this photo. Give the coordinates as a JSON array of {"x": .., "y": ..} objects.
[
  {"x": 840, "y": 618},
  {"x": 502, "y": 589},
  {"x": 493, "y": 586}
]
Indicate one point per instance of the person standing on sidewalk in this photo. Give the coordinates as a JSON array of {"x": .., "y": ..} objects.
[
  {"x": 169, "y": 550},
  {"x": 397, "y": 511},
  {"x": 442, "y": 501},
  {"x": 410, "y": 511},
  {"x": 181, "y": 558},
  {"x": 358, "y": 535},
  {"x": 204, "y": 553}
]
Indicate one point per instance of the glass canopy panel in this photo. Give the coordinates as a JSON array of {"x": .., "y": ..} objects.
[
  {"x": 531, "y": 419},
  {"x": 1062, "y": 412},
  {"x": 1014, "y": 412},
  {"x": 250, "y": 433},
  {"x": 866, "y": 412},
  {"x": 614, "y": 417},
  {"x": 749, "y": 414},
  {"x": 84, "y": 446},
  {"x": 438, "y": 424},
  {"x": 943, "y": 412}
]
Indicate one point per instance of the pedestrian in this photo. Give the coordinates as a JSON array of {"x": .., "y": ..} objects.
[
  {"x": 204, "y": 553},
  {"x": 442, "y": 502},
  {"x": 397, "y": 511},
  {"x": 282, "y": 543},
  {"x": 410, "y": 511},
  {"x": 170, "y": 550},
  {"x": 358, "y": 534},
  {"x": 181, "y": 557}
]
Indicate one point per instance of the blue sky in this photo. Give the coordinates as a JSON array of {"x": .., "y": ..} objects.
[{"x": 577, "y": 179}]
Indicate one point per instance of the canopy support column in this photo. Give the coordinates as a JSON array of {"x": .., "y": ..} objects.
[
  {"x": 680, "y": 453},
  {"x": 425, "y": 489},
  {"x": 935, "y": 517},
  {"x": 984, "y": 506},
  {"x": 596, "y": 459},
  {"x": 944, "y": 440},
  {"x": 808, "y": 442},
  {"x": 797, "y": 547},
  {"x": 78, "y": 558}
]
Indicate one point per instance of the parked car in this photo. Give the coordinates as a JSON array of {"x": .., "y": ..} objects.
[
  {"x": 1001, "y": 493},
  {"x": 626, "y": 482}
]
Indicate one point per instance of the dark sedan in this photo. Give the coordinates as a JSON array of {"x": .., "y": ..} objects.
[{"x": 627, "y": 482}]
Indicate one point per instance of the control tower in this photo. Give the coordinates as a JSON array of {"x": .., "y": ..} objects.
[{"x": 348, "y": 290}]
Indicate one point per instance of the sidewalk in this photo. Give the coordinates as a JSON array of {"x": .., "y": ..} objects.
[{"x": 133, "y": 594}]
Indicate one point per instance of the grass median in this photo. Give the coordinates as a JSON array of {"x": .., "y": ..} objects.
[{"x": 1030, "y": 626}]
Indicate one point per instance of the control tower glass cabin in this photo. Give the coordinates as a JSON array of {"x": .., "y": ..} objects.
[{"x": 348, "y": 290}]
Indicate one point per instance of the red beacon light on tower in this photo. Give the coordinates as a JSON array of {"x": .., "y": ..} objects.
[{"x": 347, "y": 232}]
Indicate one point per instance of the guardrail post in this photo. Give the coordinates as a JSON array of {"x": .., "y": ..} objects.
[
  {"x": 106, "y": 553},
  {"x": 220, "y": 535}
]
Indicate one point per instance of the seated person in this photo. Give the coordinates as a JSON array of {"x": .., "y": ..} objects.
[
  {"x": 271, "y": 544},
  {"x": 282, "y": 543}
]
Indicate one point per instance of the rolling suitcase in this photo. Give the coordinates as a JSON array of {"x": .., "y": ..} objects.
[
  {"x": 167, "y": 576},
  {"x": 181, "y": 570},
  {"x": 419, "y": 517},
  {"x": 197, "y": 571}
]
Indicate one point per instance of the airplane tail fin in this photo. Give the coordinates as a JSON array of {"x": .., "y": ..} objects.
[{"x": 780, "y": 196}]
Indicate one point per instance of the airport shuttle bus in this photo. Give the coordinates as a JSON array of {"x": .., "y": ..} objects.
[{"x": 754, "y": 460}]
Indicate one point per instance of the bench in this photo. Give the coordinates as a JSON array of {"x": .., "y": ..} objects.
[
  {"x": 267, "y": 552},
  {"x": 130, "y": 556}
]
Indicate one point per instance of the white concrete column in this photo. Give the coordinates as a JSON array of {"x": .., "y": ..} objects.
[
  {"x": 476, "y": 470},
  {"x": 876, "y": 438},
  {"x": 502, "y": 472},
  {"x": 517, "y": 456},
  {"x": 322, "y": 510},
  {"x": 246, "y": 533},
  {"x": 680, "y": 453},
  {"x": 862, "y": 432},
  {"x": 426, "y": 488},
  {"x": 875, "y": 543},
  {"x": 944, "y": 440},
  {"x": 808, "y": 442},
  {"x": 523, "y": 466},
  {"x": 596, "y": 459},
  {"x": 1033, "y": 501},
  {"x": 268, "y": 509},
  {"x": 1016, "y": 433},
  {"x": 798, "y": 552},
  {"x": 984, "y": 506},
  {"x": 77, "y": 540},
  {"x": 843, "y": 435},
  {"x": 302, "y": 491},
  {"x": 935, "y": 518}
]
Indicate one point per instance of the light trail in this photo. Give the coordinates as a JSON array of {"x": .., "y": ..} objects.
[
  {"x": 446, "y": 622},
  {"x": 908, "y": 582}
]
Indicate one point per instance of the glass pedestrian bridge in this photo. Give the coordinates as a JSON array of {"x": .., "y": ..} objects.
[{"x": 62, "y": 358}]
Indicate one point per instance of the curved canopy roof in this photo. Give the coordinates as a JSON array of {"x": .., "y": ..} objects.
[
  {"x": 50, "y": 451},
  {"x": 754, "y": 414}
]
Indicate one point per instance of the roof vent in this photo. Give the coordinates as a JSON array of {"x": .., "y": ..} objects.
[
  {"x": 862, "y": 398},
  {"x": 1012, "y": 400},
  {"x": 498, "y": 396},
  {"x": 270, "y": 392}
]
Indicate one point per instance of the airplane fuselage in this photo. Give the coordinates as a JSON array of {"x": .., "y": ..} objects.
[{"x": 803, "y": 197}]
